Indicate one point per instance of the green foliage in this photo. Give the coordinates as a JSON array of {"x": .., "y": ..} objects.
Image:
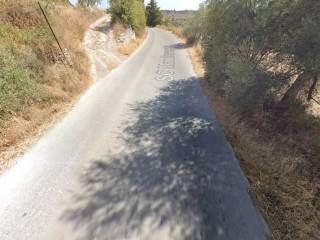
[
  {"x": 17, "y": 85},
  {"x": 131, "y": 12},
  {"x": 88, "y": 3},
  {"x": 138, "y": 16},
  {"x": 193, "y": 26},
  {"x": 154, "y": 15},
  {"x": 19, "y": 78},
  {"x": 297, "y": 27},
  {"x": 25, "y": 36},
  {"x": 239, "y": 37},
  {"x": 245, "y": 83},
  {"x": 4, "y": 28}
]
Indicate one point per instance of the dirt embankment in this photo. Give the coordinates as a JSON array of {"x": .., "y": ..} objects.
[
  {"x": 108, "y": 44},
  {"x": 37, "y": 85}
]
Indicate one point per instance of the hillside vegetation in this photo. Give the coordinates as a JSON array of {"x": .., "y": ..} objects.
[
  {"x": 36, "y": 81},
  {"x": 177, "y": 18},
  {"x": 130, "y": 12},
  {"x": 154, "y": 15},
  {"x": 262, "y": 67}
]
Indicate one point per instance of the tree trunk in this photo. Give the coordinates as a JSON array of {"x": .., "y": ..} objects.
[
  {"x": 313, "y": 87},
  {"x": 293, "y": 91}
]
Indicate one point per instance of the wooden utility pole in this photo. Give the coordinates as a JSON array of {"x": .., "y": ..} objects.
[{"x": 55, "y": 36}]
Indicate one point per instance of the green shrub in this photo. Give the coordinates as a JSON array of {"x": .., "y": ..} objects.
[
  {"x": 192, "y": 29},
  {"x": 17, "y": 87},
  {"x": 138, "y": 16},
  {"x": 131, "y": 12},
  {"x": 246, "y": 86},
  {"x": 4, "y": 28},
  {"x": 286, "y": 29},
  {"x": 25, "y": 36},
  {"x": 154, "y": 15}
]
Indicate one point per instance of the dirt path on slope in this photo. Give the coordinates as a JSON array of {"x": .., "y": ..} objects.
[{"x": 102, "y": 48}]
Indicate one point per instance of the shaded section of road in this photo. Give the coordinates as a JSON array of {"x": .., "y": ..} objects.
[
  {"x": 140, "y": 157},
  {"x": 177, "y": 178}
]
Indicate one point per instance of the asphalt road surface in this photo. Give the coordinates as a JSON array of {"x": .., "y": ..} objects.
[{"x": 140, "y": 157}]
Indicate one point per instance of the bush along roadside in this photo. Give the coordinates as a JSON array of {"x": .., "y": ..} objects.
[
  {"x": 131, "y": 13},
  {"x": 262, "y": 69}
]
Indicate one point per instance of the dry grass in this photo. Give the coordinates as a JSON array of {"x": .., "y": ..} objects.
[
  {"x": 282, "y": 170},
  {"x": 60, "y": 86},
  {"x": 280, "y": 177},
  {"x": 112, "y": 66},
  {"x": 173, "y": 29},
  {"x": 196, "y": 54},
  {"x": 128, "y": 49},
  {"x": 24, "y": 129}
]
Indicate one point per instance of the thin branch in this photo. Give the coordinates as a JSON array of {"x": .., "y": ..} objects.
[{"x": 316, "y": 101}]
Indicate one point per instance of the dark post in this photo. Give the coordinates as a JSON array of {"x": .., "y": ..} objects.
[{"x": 45, "y": 16}]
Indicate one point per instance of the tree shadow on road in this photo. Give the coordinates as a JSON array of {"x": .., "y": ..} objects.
[{"x": 176, "y": 178}]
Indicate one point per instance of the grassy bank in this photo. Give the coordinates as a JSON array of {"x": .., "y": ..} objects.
[{"x": 35, "y": 85}]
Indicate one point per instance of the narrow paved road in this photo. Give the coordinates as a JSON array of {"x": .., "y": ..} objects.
[{"x": 140, "y": 157}]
